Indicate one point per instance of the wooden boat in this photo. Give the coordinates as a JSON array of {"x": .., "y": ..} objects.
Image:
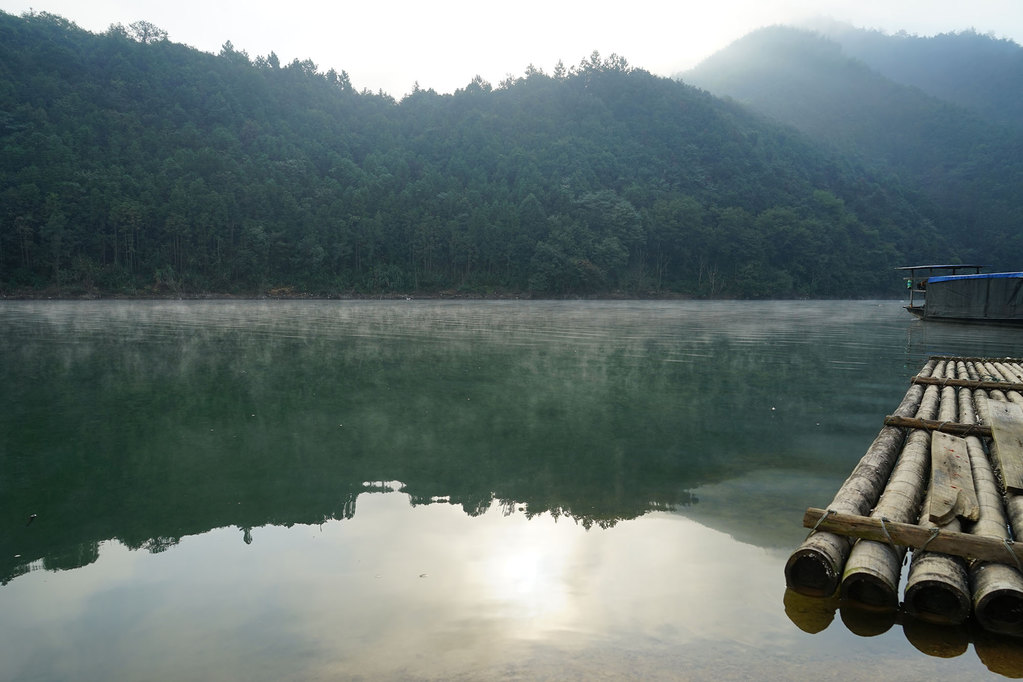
[{"x": 944, "y": 292}]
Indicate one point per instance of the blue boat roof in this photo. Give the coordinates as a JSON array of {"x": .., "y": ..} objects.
[
  {"x": 950, "y": 266},
  {"x": 986, "y": 275}
]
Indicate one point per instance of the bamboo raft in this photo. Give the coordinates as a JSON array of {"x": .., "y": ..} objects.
[{"x": 944, "y": 478}]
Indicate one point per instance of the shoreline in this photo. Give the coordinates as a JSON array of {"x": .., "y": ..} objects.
[
  {"x": 278, "y": 295},
  {"x": 421, "y": 296}
]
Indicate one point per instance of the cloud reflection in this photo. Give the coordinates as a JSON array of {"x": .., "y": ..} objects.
[{"x": 425, "y": 592}]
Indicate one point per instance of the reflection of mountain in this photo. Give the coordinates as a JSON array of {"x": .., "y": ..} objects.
[{"x": 146, "y": 422}]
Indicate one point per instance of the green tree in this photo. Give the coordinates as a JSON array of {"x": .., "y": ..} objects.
[{"x": 146, "y": 32}]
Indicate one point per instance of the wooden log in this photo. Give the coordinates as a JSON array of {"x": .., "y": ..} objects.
[
  {"x": 871, "y": 576},
  {"x": 1010, "y": 372},
  {"x": 951, "y": 427},
  {"x": 951, "y": 492},
  {"x": 969, "y": 383},
  {"x": 948, "y": 409},
  {"x": 1010, "y": 390},
  {"x": 986, "y": 372},
  {"x": 998, "y": 598},
  {"x": 1007, "y": 431},
  {"x": 997, "y": 588},
  {"x": 873, "y": 570},
  {"x": 967, "y": 412},
  {"x": 971, "y": 372},
  {"x": 967, "y": 358},
  {"x": 1014, "y": 509},
  {"x": 980, "y": 401},
  {"x": 967, "y": 545},
  {"x": 974, "y": 408},
  {"x": 814, "y": 569},
  {"x": 1012, "y": 499},
  {"x": 991, "y": 519},
  {"x": 938, "y": 586},
  {"x": 1002, "y": 370}
]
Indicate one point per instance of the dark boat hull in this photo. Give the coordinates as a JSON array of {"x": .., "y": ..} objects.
[{"x": 995, "y": 298}]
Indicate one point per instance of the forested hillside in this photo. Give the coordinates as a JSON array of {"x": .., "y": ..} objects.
[
  {"x": 132, "y": 164},
  {"x": 969, "y": 166}
]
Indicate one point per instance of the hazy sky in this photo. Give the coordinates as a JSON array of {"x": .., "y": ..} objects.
[{"x": 390, "y": 44}]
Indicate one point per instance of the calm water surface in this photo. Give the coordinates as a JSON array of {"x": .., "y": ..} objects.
[{"x": 445, "y": 490}]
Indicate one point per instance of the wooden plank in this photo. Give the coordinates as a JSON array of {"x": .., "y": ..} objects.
[
  {"x": 954, "y": 428},
  {"x": 1007, "y": 430},
  {"x": 952, "y": 493},
  {"x": 982, "y": 547}
]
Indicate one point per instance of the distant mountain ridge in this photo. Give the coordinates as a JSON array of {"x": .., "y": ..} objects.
[
  {"x": 951, "y": 150},
  {"x": 977, "y": 72}
]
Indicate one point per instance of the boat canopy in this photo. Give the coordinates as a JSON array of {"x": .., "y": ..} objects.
[
  {"x": 984, "y": 275},
  {"x": 992, "y": 296},
  {"x": 920, "y": 274}
]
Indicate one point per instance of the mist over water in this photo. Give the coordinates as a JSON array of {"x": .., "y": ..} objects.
[{"x": 431, "y": 489}]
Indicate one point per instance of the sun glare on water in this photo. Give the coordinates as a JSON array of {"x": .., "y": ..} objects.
[{"x": 527, "y": 574}]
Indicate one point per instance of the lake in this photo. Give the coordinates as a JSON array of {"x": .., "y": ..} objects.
[{"x": 427, "y": 490}]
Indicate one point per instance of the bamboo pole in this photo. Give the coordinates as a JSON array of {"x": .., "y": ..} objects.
[
  {"x": 1013, "y": 500},
  {"x": 1001, "y": 372},
  {"x": 1014, "y": 508},
  {"x": 997, "y": 588},
  {"x": 814, "y": 568},
  {"x": 1010, "y": 372},
  {"x": 872, "y": 572},
  {"x": 938, "y": 586},
  {"x": 967, "y": 410}
]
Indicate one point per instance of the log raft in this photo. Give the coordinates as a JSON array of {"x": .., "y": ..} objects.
[
  {"x": 943, "y": 478},
  {"x": 815, "y": 568}
]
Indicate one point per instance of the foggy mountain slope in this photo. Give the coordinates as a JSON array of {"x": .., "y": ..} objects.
[
  {"x": 969, "y": 166},
  {"x": 981, "y": 73}
]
